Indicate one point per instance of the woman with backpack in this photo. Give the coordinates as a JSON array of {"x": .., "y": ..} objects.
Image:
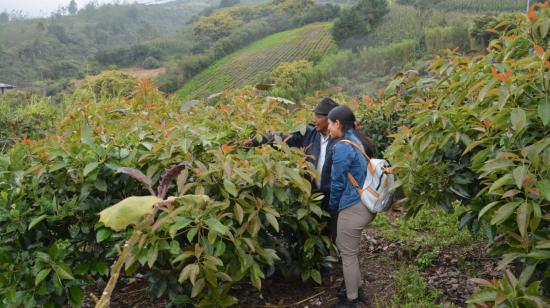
[{"x": 353, "y": 216}]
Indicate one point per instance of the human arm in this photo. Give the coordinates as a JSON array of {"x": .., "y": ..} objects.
[{"x": 341, "y": 162}]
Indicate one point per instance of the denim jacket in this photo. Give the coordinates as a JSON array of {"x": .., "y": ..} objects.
[{"x": 346, "y": 159}]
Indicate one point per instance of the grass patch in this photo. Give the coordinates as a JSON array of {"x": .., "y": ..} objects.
[
  {"x": 412, "y": 290},
  {"x": 432, "y": 228}
]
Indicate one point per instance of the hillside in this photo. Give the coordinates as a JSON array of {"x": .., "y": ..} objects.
[
  {"x": 66, "y": 45},
  {"x": 248, "y": 64}
]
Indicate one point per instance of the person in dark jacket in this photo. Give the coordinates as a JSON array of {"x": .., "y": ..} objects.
[{"x": 318, "y": 146}]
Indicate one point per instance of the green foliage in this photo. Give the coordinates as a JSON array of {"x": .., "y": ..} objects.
[
  {"x": 290, "y": 79},
  {"x": 447, "y": 38},
  {"x": 412, "y": 290},
  {"x": 358, "y": 20},
  {"x": 479, "y": 134},
  {"x": 220, "y": 41},
  {"x": 24, "y": 115},
  {"x": 483, "y": 6},
  {"x": 261, "y": 208},
  {"x": 431, "y": 228},
  {"x": 150, "y": 63},
  {"x": 108, "y": 84},
  {"x": 510, "y": 291},
  {"x": 247, "y": 65},
  {"x": 381, "y": 61},
  {"x": 485, "y": 28},
  {"x": 65, "y": 46}
]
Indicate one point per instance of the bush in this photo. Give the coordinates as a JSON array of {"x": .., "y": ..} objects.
[
  {"x": 380, "y": 61},
  {"x": 358, "y": 20},
  {"x": 479, "y": 135},
  {"x": 151, "y": 63},
  {"x": 108, "y": 84},
  {"x": 261, "y": 212},
  {"x": 447, "y": 38}
]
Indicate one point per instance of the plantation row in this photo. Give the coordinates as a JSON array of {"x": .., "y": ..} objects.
[
  {"x": 247, "y": 65},
  {"x": 483, "y": 5}
]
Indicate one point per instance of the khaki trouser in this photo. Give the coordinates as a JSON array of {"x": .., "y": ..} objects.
[{"x": 351, "y": 222}]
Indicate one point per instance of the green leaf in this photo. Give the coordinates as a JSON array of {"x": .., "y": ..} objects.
[
  {"x": 215, "y": 225},
  {"x": 230, "y": 187},
  {"x": 191, "y": 234},
  {"x": 537, "y": 301},
  {"x": 37, "y": 220},
  {"x": 75, "y": 296},
  {"x": 181, "y": 222},
  {"x": 543, "y": 244},
  {"x": 41, "y": 276},
  {"x": 482, "y": 297},
  {"x": 103, "y": 234},
  {"x": 526, "y": 274},
  {"x": 272, "y": 221},
  {"x": 507, "y": 258},
  {"x": 486, "y": 208},
  {"x": 238, "y": 211},
  {"x": 301, "y": 213},
  {"x": 539, "y": 254},
  {"x": 223, "y": 276},
  {"x": 127, "y": 212},
  {"x": 519, "y": 174},
  {"x": 543, "y": 112},
  {"x": 152, "y": 255},
  {"x": 522, "y": 218},
  {"x": 504, "y": 212},
  {"x": 316, "y": 275},
  {"x": 183, "y": 256},
  {"x": 544, "y": 189},
  {"x": 504, "y": 180},
  {"x": 197, "y": 288},
  {"x": 86, "y": 134},
  {"x": 537, "y": 216},
  {"x": 229, "y": 301},
  {"x": 186, "y": 272},
  {"x": 63, "y": 271},
  {"x": 519, "y": 119},
  {"x": 90, "y": 167}
]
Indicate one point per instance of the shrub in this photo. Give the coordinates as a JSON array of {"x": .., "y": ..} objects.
[
  {"x": 479, "y": 134},
  {"x": 450, "y": 37},
  {"x": 108, "y": 84},
  {"x": 150, "y": 63},
  {"x": 259, "y": 207}
]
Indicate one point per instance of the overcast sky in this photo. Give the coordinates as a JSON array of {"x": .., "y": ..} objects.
[{"x": 34, "y": 8}]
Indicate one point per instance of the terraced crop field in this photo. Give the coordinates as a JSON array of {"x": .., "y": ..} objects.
[
  {"x": 247, "y": 65},
  {"x": 483, "y": 5}
]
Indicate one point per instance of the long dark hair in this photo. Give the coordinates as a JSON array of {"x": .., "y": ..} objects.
[{"x": 348, "y": 121}]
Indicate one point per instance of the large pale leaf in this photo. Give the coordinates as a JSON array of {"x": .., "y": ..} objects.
[
  {"x": 519, "y": 119},
  {"x": 127, "y": 212},
  {"x": 543, "y": 112}
]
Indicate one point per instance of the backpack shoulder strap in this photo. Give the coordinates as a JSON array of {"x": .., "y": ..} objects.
[{"x": 356, "y": 146}]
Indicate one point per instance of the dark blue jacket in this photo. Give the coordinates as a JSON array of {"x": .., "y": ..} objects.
[
  {"x": 311, "y": 141},
  {"x": 346, "y": 159}
]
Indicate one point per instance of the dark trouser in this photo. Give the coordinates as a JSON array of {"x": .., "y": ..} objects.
[{"x": 332, "y": 221}]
